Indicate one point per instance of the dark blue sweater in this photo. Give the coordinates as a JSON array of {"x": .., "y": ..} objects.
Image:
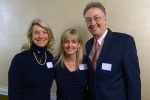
[{"x": 29, "y": 80}]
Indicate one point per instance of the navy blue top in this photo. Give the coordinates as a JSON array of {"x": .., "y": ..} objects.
[
  {"x": 71, "y": 85},
  {"x": 29, "y": 80}
]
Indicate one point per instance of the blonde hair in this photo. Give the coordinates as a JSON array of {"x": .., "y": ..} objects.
[
  {"x": 44, "y": 25},
  {"x": 70, "y": 33}
]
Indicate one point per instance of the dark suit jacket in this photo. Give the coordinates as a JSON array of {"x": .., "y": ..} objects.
[{"x": 117, "y": 75}]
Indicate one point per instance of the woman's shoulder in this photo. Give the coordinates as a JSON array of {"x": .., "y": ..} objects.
[
  {"x": 20, "y": 57},
  {"x": 21, "y": 54},
  {"x": 50, "y": 55},
  {"x": 55, "y": 60}
]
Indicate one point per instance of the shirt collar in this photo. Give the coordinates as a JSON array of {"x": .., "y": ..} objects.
[{"x": 101, "y": 39}]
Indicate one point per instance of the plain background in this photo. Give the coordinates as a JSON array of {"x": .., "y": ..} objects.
[{"x": 129, "y": 16}]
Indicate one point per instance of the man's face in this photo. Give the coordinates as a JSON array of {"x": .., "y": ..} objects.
[{"x": 96, "y": 21}]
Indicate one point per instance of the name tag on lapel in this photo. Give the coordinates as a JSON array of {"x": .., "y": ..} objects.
[
  {"x": 49, "y": 64},
  {"x": 106, "y": 66},
  {"x": 83, "y": 67}
]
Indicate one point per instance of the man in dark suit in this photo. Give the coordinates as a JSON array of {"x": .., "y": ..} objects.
[{"x": 116, "y": 74}]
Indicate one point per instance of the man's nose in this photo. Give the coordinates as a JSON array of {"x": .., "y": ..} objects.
[{"x": 93, "y": 21}]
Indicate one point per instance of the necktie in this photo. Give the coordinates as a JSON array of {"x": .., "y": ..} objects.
[{"x": 94, "y": 59}]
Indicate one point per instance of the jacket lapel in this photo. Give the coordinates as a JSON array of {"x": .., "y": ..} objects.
[
  {"x": 106, "y": 45},
  {"x": 89, "y": 46}
]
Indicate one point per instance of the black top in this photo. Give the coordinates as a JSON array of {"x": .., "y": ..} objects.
[
  {"x": 71, "y": 85},
  {"x": 28, "y": 80}
]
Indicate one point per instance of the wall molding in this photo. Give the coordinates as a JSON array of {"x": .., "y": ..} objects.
[{"x": 3, "y": 90}]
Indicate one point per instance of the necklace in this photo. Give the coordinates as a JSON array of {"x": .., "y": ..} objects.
[{"x": 39, "y": 60}]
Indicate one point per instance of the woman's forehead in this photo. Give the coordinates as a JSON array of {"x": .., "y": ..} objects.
[{"x": 71, "y": 37}]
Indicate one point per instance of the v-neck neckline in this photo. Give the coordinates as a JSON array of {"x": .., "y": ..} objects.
[{"x": 68, "y": 69}]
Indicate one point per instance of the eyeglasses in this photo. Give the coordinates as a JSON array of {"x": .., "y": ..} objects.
[{"x": 95, "y": 18}]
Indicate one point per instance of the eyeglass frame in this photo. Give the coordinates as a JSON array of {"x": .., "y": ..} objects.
[{"x": 95, "y": 18}]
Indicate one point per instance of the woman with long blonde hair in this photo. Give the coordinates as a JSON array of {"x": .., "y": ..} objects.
[{"x": 71, "y": 67}]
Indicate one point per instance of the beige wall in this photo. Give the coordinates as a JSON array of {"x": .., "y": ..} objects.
[{"x": 130, "y": 16}]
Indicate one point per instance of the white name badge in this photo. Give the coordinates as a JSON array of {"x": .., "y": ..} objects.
[
  {"x": 83, "y": 67},
  {"x": 106, "y": 66},
  {"x": 49, "y": 64}
]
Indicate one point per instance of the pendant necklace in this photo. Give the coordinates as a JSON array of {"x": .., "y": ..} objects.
[{"x": 39, "y": 60}]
